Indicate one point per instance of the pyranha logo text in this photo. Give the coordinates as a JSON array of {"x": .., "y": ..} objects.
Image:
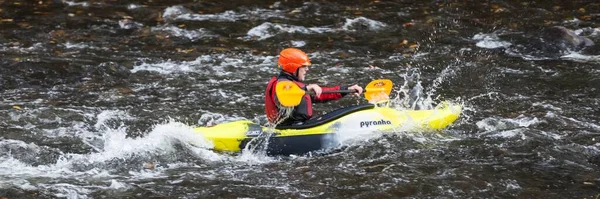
[{"x": 369, "y": 123}]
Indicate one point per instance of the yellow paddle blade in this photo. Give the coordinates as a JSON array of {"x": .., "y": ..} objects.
[
  {"x": 288, "y": 93},
  {"x": 378, "y": 90}
]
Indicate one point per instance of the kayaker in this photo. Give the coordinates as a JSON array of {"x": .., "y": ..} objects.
[{"x": 294, "y": 65}]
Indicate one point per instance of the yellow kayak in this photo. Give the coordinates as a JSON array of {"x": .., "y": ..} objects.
[{"x": 310, "y": 136}]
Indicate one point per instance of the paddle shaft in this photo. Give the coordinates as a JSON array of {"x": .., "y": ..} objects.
[
  {"x": 341, "y": 91},
  {"x": 338, "y": 91}
]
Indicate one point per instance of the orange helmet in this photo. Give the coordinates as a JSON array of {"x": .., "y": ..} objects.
[{"x": 290, "y": 59}]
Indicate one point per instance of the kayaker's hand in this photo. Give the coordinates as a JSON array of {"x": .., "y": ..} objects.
[
  {"x": 358, "y": 89},
  {"x": 315, "y": 88}
]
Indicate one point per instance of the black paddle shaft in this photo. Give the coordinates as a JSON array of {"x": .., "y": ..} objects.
[{"x": 339, "y": 91}]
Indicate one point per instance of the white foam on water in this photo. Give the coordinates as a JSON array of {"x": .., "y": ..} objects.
[
  {"x": 490, "y": 41},
  {"x": 577, "y": 57},
  {"x": 114, "y": 184},
  {"x": 16, "y": 173},
  {"x": 18, "y": 144},
  {"x": 68, "y": 191},
  {"x": 104, "y": 116},
  {"x": 214, "y": 64},
  {"x": 510, "y": 134},
  {"x": 547, "y": 106},
  {"x": 511, "y": 184},
  {"x": 181, "y": 13},
  {"x": 574, "y": 122},
  {"x": 170, "y": 66},
  {"x": 70, "y": 45},
  {"x": 263, "y": 14},
  {"x": 189, "y": 34},
  {"x": 162, "y": 139},
  {"x": 216, "y": 81},
  {"x": 175, "y": 11},
  {"x": 341, "y": 69},
  {"x": 47, "y": 125},
  {"x": 298, "y": 44},
  {"x": 511, "y": 71},
  {"x": 83, "y": 45},
  {"x": 37, "y": 47},
  {"x": 134, "y": 6},
  {"x": 515, "y": 53},
  {"x": 72, "y": 3},
  {"x": 268, "y": 30},
  {"x": 495, "y": 124},
  {"x": 227, "y": 16}
]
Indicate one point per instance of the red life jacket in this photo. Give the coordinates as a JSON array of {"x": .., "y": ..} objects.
[{"x": 272, "y": 109}]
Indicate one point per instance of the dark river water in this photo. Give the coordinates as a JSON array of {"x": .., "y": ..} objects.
[{"x": 98, "y": 98}]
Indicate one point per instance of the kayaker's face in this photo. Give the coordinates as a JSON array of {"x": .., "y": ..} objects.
[{"x": 302, "y": 72}]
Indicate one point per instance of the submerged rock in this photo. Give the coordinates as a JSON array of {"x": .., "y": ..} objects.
[
  {"x": 565, "y": 38},
  {"x": 552, "y": 43}
]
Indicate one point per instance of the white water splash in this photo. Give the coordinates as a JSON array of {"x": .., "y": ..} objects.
[
  {"x": 160, "y": 140},
  {"x": 257, "y": 154},
  {"x": 163, "y": 139},
  {"x": 490, "y": 41},
  {"x": 348, "y": 135},
  {"x": 412, "y": 95}
]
